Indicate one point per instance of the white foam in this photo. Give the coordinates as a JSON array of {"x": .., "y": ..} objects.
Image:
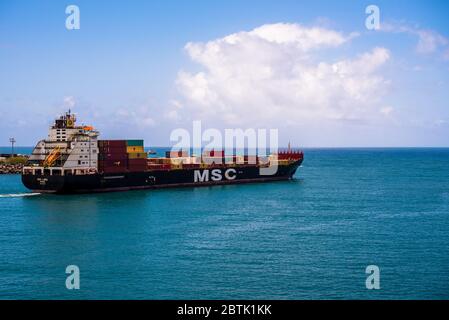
[{"x": 18, "y": 195}]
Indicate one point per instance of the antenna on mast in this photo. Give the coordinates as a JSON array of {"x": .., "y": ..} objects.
[{"x": 12, "y": 140}]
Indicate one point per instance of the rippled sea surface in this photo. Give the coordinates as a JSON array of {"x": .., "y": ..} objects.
[{"x": 310, "y": 238}]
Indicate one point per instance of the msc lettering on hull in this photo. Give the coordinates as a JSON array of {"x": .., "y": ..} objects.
[{"x": 214, "y": 175}]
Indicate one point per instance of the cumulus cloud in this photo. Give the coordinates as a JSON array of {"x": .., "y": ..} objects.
[
  {"x": 429, "y": 41},
  {"x": 274, "y": 73},
  {"x": 386, "y": 110},
  {"x": 69, "y": 102},
  {"x": 140, "y": 118},
  {"x": 173, "y": 111}
]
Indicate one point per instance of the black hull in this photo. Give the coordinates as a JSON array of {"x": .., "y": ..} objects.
[{"x": 154, "y": 179}]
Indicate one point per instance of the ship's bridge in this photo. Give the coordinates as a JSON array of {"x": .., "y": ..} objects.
[{"x": 68, "y": 146}]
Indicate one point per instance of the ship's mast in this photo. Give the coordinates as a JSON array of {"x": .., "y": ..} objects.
[
  {"x": 67, "y": 120},
  {"x": 12, "y": 140}
]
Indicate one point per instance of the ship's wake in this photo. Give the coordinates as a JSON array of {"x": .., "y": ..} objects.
[{"x": 19, "y": 195}]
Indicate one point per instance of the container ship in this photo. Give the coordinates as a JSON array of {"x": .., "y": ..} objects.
[{"x": 73, "y": 160}]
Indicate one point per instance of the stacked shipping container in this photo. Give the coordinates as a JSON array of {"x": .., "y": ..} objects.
[
  {"x": 213, "y": 157},
  {"x": 112, "y": 156},
  {"x": 176, "y": 154},
  {"x": 117, "y": 156},
  {"x": 290, "y": 155},
  {"x": 137, "y": 157}
]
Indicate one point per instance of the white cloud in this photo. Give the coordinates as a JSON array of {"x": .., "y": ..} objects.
[
  {"x": 172, "y": 115},
  {"x": 272, "y": 74},
  {"x": 140, "y": 117},
  {"x": 386, "y": 110},
  {"x": 429, "y": 41},
  {"x": 173, "y": 111},
  {"x": 148, "y": 121},
  {"x": 69, "y": 102},
  {"x": 302, "y": 38}
]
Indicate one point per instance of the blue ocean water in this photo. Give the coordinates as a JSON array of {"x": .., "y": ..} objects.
[{"x": 310, "y": 238}]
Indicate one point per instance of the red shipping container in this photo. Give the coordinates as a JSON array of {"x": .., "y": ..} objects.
[
  {"x": 213, "y": 153},
  {"x": 137, "y": 169},
  {"x": 176, "y": 154},
  {"x": 159, "y": 167},
  {"x": 137, "y": 165},
  {"x": 212, "y": 160},
  {"x": 112, "y": 149},
  {"x": 132, "y": 162},
  {"x": 112, "y": 156},
  {"x": 251, "y": 159},
  {"x": 113, "y": 170},
  {"x": 292, "y": 154},
  {"x": 112, "y": 143},
  {"x": 112, "y": 163}
]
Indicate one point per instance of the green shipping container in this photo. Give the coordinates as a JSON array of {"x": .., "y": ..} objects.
[{"x": 134, "y": 143}]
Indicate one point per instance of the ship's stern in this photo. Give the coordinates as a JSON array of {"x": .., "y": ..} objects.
[{"x": 43, "y": 183}]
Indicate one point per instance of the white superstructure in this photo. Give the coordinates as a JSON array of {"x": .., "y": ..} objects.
[{"x": 69, "y": 149}]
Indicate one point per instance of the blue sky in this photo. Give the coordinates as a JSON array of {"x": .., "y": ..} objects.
[{"x": 128, "y": 70}]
